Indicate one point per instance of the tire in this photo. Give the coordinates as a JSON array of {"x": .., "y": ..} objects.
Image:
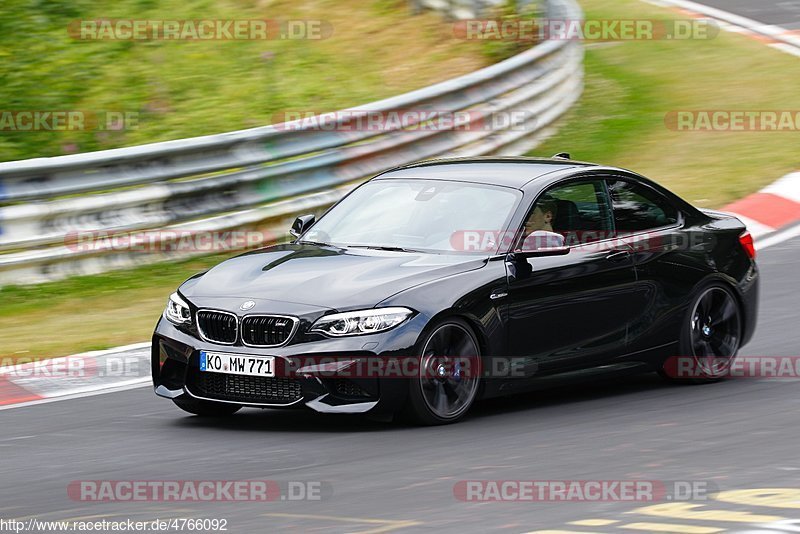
[
  {"x": 205, "y": 408},
  {"x": 449, "y": 375},
  {"x": 711, "y": 335}
]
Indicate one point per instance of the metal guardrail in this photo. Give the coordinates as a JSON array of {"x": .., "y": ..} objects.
[
  {"x": 457, "y": 9},
  {"x": 260, "y": 177}
]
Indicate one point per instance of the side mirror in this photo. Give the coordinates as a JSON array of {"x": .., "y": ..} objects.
[
  {"x": 541, "y": 244},
  {"x": 301, "y": 224}
]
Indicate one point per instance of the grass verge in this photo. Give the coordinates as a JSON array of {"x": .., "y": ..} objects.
[
  {"x": 631, "y": 86},
  {"x": 177, "y": 88}
]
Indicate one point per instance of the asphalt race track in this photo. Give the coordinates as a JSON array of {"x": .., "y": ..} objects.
[
  {"x": 740, "y": 434},
  {"x": 785, "y": 13}
]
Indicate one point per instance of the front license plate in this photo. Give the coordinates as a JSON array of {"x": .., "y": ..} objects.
[{"x": 237, "y": 364}]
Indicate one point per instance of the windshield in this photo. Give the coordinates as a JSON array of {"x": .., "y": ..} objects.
[{"x": 424, "y": 215}]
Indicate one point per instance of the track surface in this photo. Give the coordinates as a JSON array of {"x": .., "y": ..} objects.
[
  {"x": 785, "y": 13},
  {"x": 737, "y": 434}
]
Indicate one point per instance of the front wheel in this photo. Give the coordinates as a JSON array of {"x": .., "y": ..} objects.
[
  {"x": 710, "y": 338},
  {"x": 449, "y": 375},
  {"x": 206, "y": 408}
]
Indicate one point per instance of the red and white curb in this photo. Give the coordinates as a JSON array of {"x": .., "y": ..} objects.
[
  {"x": 775, "y": 207},
  {"x": 79, "y": 375},
  {"x": 774, "y": 36}
]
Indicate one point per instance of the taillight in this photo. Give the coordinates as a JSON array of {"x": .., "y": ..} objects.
[{"x": 746, "y": 240}]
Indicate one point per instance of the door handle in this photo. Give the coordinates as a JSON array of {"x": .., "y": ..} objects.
[{"x": 618, "y": 255}]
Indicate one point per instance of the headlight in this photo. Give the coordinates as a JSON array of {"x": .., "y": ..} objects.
[
  {"x": 177, "y": 311},
  {"x": 361, "y": 322}
]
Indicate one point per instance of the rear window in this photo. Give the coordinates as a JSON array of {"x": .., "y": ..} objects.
[{"x": 638, "y": 208}]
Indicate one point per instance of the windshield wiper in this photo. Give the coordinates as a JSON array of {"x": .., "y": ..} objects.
[
  {"x": 318, "y": 243},
  {"x": 381, "y": 247}
]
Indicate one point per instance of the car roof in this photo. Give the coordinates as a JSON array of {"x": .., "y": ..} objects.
[{"x": 504, "y": 171}]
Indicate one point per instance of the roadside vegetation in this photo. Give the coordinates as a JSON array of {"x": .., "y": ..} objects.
[
  {"x": 630, "y": 87},
  {"x": 373, "y": 49}
]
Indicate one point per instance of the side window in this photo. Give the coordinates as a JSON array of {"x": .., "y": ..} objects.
[
  {"x": 579, "y": 211},
  {"x": 638, "y": 208}
]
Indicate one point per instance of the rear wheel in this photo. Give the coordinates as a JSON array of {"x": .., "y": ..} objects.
[
  {"x": 449, "y": 375},
  {"x": 206, "y": 408},
  {"x": 711, "y": 336}
]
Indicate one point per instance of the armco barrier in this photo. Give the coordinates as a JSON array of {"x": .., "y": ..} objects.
[
  {"x": 461, "y": 9},
  {"x": 261, "y": 177}
]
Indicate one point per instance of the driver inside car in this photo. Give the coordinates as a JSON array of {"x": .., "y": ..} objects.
[{"x": 538, "y": 228}]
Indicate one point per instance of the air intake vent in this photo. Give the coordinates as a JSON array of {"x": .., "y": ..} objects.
[{"x": 252, "y": 389}]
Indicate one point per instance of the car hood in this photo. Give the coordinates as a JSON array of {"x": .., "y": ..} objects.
[{"x": 325, "y": 276}]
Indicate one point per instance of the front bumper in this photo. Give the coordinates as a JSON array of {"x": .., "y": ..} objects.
[{"x": 298, "y": 383}]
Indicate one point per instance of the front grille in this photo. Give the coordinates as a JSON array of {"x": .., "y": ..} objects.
[
  {"x": 239, "y": 388},
  {"x": 219, "y": 327},
  {"x": 267, "y": 330}
]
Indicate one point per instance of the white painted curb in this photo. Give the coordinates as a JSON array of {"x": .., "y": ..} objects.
[{"x": 784, "y": 40}]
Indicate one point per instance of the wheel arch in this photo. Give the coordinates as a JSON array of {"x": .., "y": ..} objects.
[
  {"x": 472, "y": 321},
  {"x": 747, "y": 324},
  {"x": 478, "y": 330},
  {"x": 730, "y": 283}
]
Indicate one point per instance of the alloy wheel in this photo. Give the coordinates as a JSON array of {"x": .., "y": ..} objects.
[
  {"x": 715, "y": 331},
  {"x": 449, "y": 371}
]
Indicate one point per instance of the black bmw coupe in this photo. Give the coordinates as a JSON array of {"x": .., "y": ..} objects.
[{"x": 441, "y": 282}]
